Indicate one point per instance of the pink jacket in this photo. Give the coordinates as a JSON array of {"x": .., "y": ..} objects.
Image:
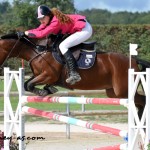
[{"x": 55, "y": 27}]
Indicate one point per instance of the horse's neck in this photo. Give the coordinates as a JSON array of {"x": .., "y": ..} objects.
[
  {"x": 23, "y": 49},
  {"x": 27, "y": 53},
  {"x": 8, "y": 48},
  {"x": 16, "y": 48},
  {"x": 28, "y": 50}
]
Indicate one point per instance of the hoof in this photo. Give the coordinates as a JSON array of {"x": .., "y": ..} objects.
[
  {"x": 50, "y": 89},
  {"x": 40, "y": 92},
  {"x": 43, "y": 92}
]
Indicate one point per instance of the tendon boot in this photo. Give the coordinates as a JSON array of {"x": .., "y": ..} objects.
[{"x": 71, "y": 64}]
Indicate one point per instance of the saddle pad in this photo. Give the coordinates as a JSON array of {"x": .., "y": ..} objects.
[{"x": 85, "y": 61}]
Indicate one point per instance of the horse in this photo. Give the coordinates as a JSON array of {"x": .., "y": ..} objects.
[{"x": 109, "y": 71}]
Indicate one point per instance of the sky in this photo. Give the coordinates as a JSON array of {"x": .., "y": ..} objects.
[{"x": 112, "y": 5}]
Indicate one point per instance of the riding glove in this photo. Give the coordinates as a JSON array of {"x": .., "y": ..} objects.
[{"x": 20, "y": 34}]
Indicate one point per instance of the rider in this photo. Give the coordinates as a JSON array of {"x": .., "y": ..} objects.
[{"x": 52, "y": 22}]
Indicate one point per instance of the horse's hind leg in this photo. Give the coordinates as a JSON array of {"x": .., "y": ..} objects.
[
  {"x": 140, "y": 101},
  {"x": 111, "y": 93}
]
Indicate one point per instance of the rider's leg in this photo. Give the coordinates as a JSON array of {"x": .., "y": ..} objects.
[
  {"x": 71, "y": 41},
  {"x": 71, "y": 64}
]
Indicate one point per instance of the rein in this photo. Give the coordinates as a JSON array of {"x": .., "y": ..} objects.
[
  {"x": 35, "y": 46},
  {"x": 32, "y": 44},
  {"x": 37, "y": 53}
]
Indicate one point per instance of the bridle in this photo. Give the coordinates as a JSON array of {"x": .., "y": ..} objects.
[
  {"x": 10, "y": 52},
  {"x": 34, "y": 48}
]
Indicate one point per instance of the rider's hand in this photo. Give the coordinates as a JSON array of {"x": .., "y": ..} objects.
[{"x": 20, "y": 34}]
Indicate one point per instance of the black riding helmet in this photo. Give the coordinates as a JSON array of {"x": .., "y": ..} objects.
[{"x": 43, "y": 11}]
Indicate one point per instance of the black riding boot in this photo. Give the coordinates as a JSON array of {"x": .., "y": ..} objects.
[{"x": 71, "y": 64}]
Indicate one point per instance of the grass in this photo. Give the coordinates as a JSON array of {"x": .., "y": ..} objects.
[
  {"x": 60, "y": 107},
  {"x": 13, "y": 88},
  {"x": 96, "y": 119},
  {"x": 56, "y": 107}
]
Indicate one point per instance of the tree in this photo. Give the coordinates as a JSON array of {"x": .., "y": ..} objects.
[
  {"x": 24, "y": 11},
  {"x": 97, "y": 16},
  {"x": 24, "y": 15},
  {"x": 4, "y": 8},
  {"x": 67, "y": 6}
]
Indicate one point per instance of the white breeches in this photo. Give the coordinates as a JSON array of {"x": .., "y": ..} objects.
[{"x": 76, "y": 38}]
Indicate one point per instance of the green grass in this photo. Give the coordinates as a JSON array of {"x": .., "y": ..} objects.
[
  {"x": 60, "y": 107},
  {"x": 56, "y": 107},
  {"x": 13, "y": 88}
]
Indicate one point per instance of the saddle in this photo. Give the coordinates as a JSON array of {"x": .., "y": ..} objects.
[{"x": 83, "y": 53}]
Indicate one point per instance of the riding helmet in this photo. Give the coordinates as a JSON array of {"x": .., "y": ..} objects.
[{"x": 43, "y": 11}]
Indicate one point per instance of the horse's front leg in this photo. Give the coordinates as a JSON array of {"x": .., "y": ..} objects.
[
  {"x": 50, "y": 88},
  {"x": 40, "y": 80},
  {"x": 26, "y": 83}
]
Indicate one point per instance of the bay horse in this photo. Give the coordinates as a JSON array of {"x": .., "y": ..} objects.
[{"x": 109, "y": 72}]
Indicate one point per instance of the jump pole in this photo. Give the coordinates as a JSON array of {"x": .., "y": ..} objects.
[
  {"x": 74, "y": 100},
  {"x": 73, "y": 121}
]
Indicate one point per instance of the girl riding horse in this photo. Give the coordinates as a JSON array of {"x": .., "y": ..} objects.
[{"x": 53, "y": 22}]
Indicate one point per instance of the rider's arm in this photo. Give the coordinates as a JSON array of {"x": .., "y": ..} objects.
[
  {"x": 41, "y": 27},
  {"x": 53, "y": 28}
]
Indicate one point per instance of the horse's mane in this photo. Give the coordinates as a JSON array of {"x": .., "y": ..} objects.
[
  {"x": 9, "y": 36},
  {"x": 25, "y": 40}
]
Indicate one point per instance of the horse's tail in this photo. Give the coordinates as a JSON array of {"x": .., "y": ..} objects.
[{"x": 143, "y": 64}]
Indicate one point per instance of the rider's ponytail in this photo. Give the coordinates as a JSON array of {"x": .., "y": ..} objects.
[{"x": 63, "y": 18}]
